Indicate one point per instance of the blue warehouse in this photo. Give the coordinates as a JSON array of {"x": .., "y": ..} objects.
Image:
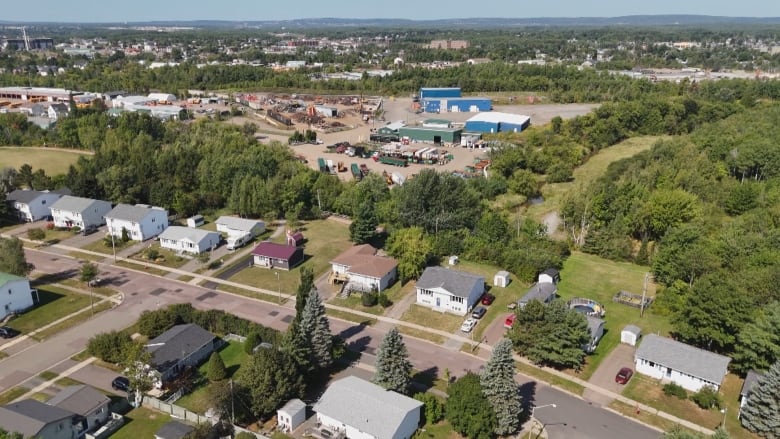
[
  {"x": 456, "y": 105},
  {"x": 430, "y": 92},
  {"x": 497, "y": 122}
]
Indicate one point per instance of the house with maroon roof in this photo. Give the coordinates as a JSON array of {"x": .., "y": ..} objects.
[
  {"x": 362, "y": 269},
  {"x": 278, "y": 256}
]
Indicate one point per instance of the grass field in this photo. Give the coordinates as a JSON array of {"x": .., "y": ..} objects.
[
  {"x": 598, "y": 279},
  {"x": 11, "y": 394},
  {"x": 55, "y": 303},
  {"x": 141, "y": 423},
  {"x": 324, "y": 240},
  {"x": 53, "y": 161},
  {"x": 428, "y": 318}
]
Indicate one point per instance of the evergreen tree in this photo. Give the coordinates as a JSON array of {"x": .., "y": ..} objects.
[
  {"x": 304, "y": 288},
  {"x": 271, "y": 378},
  {"x": 217, "y": 370},
  {"x": 315, "y": 328},
  {"x": 761, "y": 413},
  {"x": 500, "y": 389},
  {"x": 393, "y": 369},
  {"x": 758, "y": 343},
  {"x": 12, "y": 260},
  {"x": 363, "y": 226},
  {"x": 468, "y": 411}
]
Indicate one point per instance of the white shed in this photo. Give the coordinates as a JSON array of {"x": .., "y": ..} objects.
[
  {"x": 630, "y": 335},
  {"x": 195, "y": 221},
  {"x": 291, "y": 415},
  {"x": 501, "y": 279},
  {"x": 453, "y": 260}
]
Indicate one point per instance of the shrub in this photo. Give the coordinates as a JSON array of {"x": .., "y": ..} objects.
[
  {"x": 217, "y": 370},
  {"x": 707, "y": 397},
  {"x": 49, "y": 226},
  {"x": 37, "y": 234},
  {"x": 152, "y": 253},
  {"x": 672, "y": 389},
  {"x": 252, "y": 340},
  {"x": 369, "y": 299},
  {"x": 433, "y": 407},
  {"x": 384, "y": 301},
  {"x": 109, "y": 346}
]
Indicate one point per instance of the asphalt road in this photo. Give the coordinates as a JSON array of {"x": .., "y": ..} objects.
[{"x": 572, "y": 418}]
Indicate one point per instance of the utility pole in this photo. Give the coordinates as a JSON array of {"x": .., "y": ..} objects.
[
  {"x": 644, "y": 294},
  {"x": 232, "y": 404}
]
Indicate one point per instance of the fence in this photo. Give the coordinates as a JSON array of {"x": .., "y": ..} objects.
[
  {"x": 178, "y": 412},
  {"x": 113, "y": 424}
]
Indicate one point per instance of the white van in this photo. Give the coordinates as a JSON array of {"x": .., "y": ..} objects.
[{"x": 238, "y": 241}]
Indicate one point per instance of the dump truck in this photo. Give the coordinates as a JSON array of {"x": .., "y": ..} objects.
[
  {"x": 393, "y": 161},
  {"x": 321, "y": 163},
  {"x": 356, "y": 171}
]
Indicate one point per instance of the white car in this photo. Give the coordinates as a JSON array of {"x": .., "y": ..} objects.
[{"x": 468, "y": 324}]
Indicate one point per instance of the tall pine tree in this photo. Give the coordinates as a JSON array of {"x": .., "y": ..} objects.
[
  {"x": 500, "y": 389},
  {"x": 393, "y": 369},
  {"x": 363, "y": 226},
  {"x": 761, "y": 413},
  {"x": 316, "y": 330}
]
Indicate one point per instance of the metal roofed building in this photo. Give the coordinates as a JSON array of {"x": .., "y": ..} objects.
[
  {"x": 672, "y": 361},
  {"x": 38, "y": 93},
  {"x": 495, "y": 122},
  {"x": 363, "y": 410},
  {"x": 238, "y": 226},
  {"x": 434, "y": 135},
  {"x": 444, "y": 289}
]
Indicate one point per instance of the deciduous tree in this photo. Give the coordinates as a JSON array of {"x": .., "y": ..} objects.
[
  {"x": 758, "y": 343},
  {"x": 468, "y": 410},
  {"x": 412, "y": 248},
  {"x": 136, "y": 361},
  {"x": 12, "y": 260},
  {"x": 393, "y": 369},
  {"x": 272, "y": 379}
]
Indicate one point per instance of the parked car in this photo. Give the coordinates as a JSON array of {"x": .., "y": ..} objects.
[
  {"x": 120, "y": 383},
  {"x": 96, "y": 282},
  {"x": 8, "y": 332},
  {"x": 510, "y": 320},
  {"x": 468, "y": 324},
  {"x": 478, "y": 312},
  {"x": 624, "y": 375},
  {"x": 487, "y": 299}
]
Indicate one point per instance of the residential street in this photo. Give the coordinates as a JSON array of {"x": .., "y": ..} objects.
[{"x": 573, "y": 418}]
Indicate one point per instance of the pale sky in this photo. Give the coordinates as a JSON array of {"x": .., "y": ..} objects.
[{"x": 86, "y": 11}]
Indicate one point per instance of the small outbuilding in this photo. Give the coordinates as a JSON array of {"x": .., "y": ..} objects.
[
  {"x": 195, "y": 221},
  {"x": 453, "y": 260},
  {"x": 630, "y": 335},
  {"x": 501, "y": 279},
  {"x": 291, "y": 415}
]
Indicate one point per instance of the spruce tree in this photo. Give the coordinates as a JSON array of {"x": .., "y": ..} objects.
[
  {"x": 500, "y": 389},
  {"x": 304, "y": 288},
  {"x": 217, "y": 370},
  {"x": 363, "y": 226},
  {"x": 316, "y": 330},
  {"x": 393, "y": 369},
  {"x": 761, "y": 413}
]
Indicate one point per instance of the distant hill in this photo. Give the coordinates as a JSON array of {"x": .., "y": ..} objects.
[{"x": 629, "y": 20}]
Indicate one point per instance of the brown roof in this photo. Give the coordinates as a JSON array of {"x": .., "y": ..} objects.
[
  {"x": 274, "y": 250},
  {"x": 362, "y": 259}
]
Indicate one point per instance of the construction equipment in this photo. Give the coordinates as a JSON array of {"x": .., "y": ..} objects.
[{"x": 341, "y": 167}]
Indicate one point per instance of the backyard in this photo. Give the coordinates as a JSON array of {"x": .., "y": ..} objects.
[
  {"x": 197, "y": 400},
  {"x": 53, "y": 161},
  {"x": 599, "y": 279},
  {"x": 141, "y": 423}
]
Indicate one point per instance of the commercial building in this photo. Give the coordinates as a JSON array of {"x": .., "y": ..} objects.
[
  {"x": 38, "y": 94},
  {"x": 497, "y": 122},
  {"x": 435, "y": 135},
  {"x": 439, "y": 92},
  {"x": 456, "y": 105}
]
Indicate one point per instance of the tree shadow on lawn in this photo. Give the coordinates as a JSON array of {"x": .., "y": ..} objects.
[{"x": 425, "y": 379}]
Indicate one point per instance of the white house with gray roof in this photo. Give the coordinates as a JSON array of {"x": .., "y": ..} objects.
[
  {"x": 33, "y": 205},
  {"x": 15, "y": 294},
  {"x": 85, "y": 401},
  {"x": 70, "y": 211},
  {"x": 751, "y": 379},
  {"x": 141, "y": 221},
  {"x": 178, "y": 348},
  {"x": 545, "y": 289},
  {"x": 688, "y": 366},
  {"x": 445, "y": 289},
  {"x": 362, "y": 410},
  {"x": 239, "y": 226},
  {"x": 187, "y": 240}
]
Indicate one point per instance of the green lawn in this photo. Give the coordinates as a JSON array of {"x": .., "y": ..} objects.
[
  {"x": 429, "y": 318},
  {"x": 11, "y": 394},
  {"x": 166, "y": 258},
  {"x": 53, "y": 161},
  {"x": 197, "y": 401},
  {"x": 55, "y": 303},
  {"x": 100, "y": 246},
  {"x": 325, "y": 240},
  {"x": 599, "y": 279},
  {"x": 141, "y": 423},
  {"x": 395, "y": 294}
]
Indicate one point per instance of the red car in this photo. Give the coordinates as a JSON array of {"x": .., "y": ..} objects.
[
  {"x": 487, "y": 299},
  {"x": 624, "y": 375},
  {"x": 510, "y": 320}
]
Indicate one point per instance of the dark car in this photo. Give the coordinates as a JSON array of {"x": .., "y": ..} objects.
[
  {"x": 478, "y": 312},
  {"x": 7, "y": 332},
  {"x": 624, "y": 375},
  {"x": 488, "y": 298},
  {"x": 120, "y": 383}
]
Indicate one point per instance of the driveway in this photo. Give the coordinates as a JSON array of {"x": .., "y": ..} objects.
[{"x": 604, "y": 377}]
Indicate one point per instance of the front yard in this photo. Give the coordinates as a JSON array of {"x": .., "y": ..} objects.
[
  {"x": 428, "y": 318},
  {"x": 160, "y": 256},
  {"x": 104, "y": 246},
  {"x": 395, "y": 294},
  {"x": 55, "y": 303}
]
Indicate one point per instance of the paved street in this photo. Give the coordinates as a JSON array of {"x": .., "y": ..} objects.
[{"x": 143, "y": 291}]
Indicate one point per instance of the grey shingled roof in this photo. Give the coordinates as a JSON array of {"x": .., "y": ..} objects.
[
  {"x": 177, "y": 343},
  {"x": 80, "y": 399},
  {"x": 540, "y": 291},
  {"x": 178, "y": 233},
  {"x": 174, "y": 430},
  {"x": 130, "y": 213},
  {"x": 751, "y": 379},
  {"x": 697, "y": 362},
  {"x": 456, "y": 282},
  {"x": 293, "y": 406},
  {"x": 245, "y": 225},
  {"x": 74, "y": 204},
  {"x": 23, "y": 196},
  {"x": 366, "y": 406},
  {"x": 29, "y": 416}
]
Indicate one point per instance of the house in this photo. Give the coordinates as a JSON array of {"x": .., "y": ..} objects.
[
  {"x": 671, "y": 361},
  {"x": 630, "y": 335},
  {"x": 70, "y": 211},
  {"x": 363, "y": 270},
  {"x": 271, "y": 255},
  {"x": 291, "y": 415},
  {"x": 141, "y": 221},
  {"x": 57, "y": 110},
  {"x": 239, "y": 226},
  {"x": 33, "y": 205},
  {"x": 15, "y": 294},
  {"x": 32, "y": 418},
  {"x": 751, "y": 379},
  {"x": 173, "y": 430},
  {"x": 444, "y": 289},
  {"x": 544, "y": 290},
  {"x": 178, "y": 348},
  {"x": 596, "y": 329},
  {"x": 362, "y": 410},
  {"x": 86, "y": 402},
  {"x": 187, "y": 240},
  {"x": 501, "y": 279}
]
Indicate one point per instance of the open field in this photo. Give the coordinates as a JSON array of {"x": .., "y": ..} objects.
[
  {"x": 141, "y": 423},
  {"x": 599, "y": 279},
  {"x": 53, "y": 161}
]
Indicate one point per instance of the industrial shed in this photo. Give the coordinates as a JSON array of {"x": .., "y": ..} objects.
[
  {"x": 456, "y": 105},
  {"x": 497, "y": 122},
  {"x": 435, "y": 135},
  {"x": 439, "y": 92}
]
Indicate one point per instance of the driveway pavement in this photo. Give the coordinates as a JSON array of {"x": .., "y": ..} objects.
[{"x": 604, "y": 377}]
